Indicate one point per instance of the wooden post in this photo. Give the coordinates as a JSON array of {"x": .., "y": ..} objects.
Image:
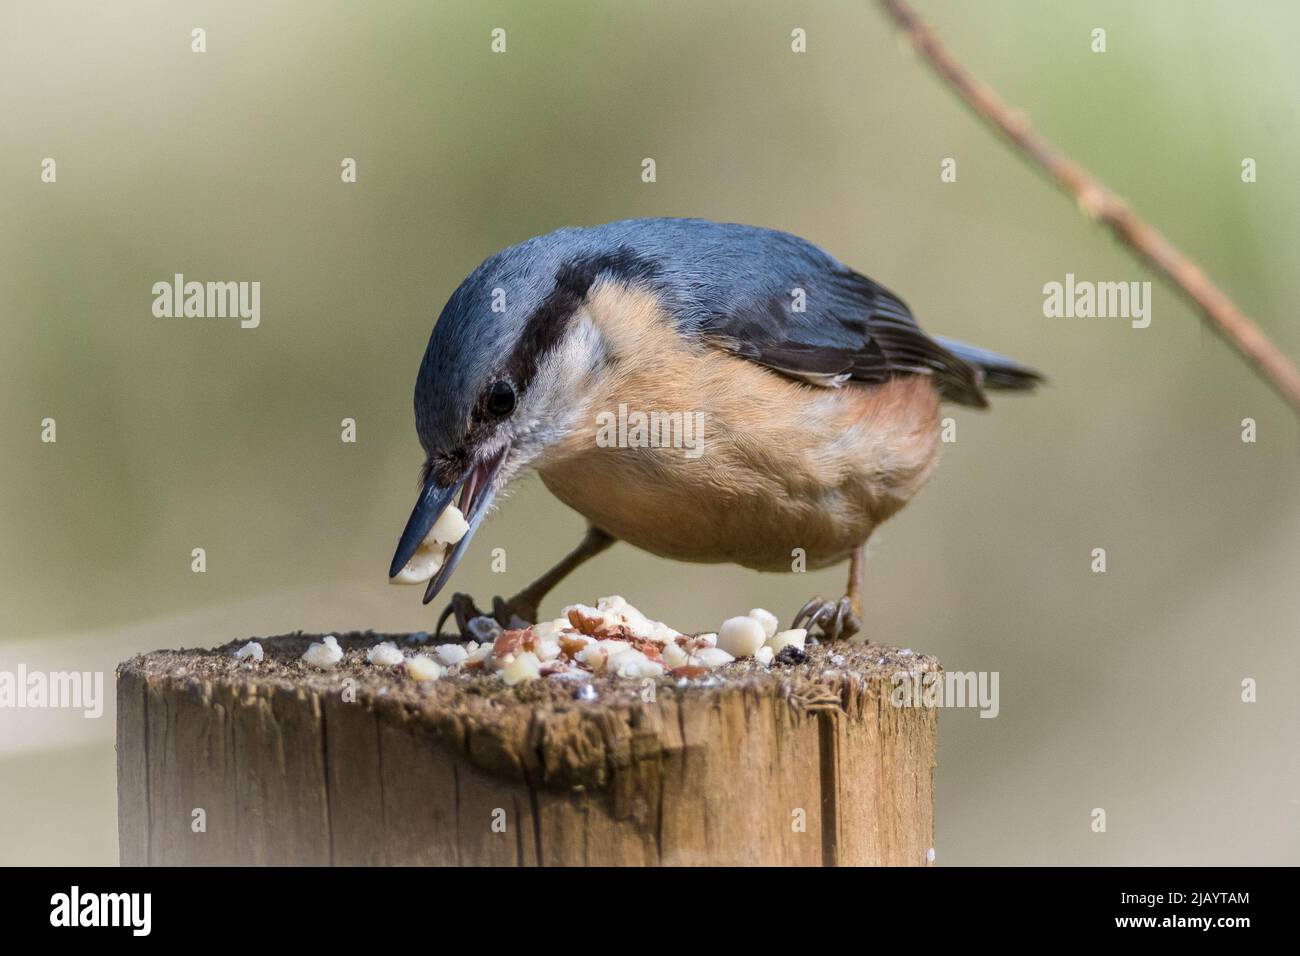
[{"x": 227, "y": 762}]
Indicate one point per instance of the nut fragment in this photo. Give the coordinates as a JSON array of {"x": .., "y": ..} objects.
[
  {"x": 479, "y": 657},
  {"x": 450, "y": 527},
  {"x": 700, "y": 641},
  {"x": 384, "y": 655},
  {"x": 424, "y": 564},
  {"x": 324, "y": 655},
  {"x": 422, "y": 667},
  {"x": 711, "y": 657},
  {"x": 572, "y": 644},
  {"x": 741, "y": 636},
  {"x": 587, "y": 620},
  {"x": 251, "y": 649},
  {"x": 551, "y": 628},
  {"x": 767, "y": 619},
  {"x": 449, "y": 655},
  {"x": 674, "y": 655},
  {"x": 524, "y": 666},
  {"x": 610, "y": 638},
  {"x": 796, "y": 637},
  {"x": 633, "y": 663},
  {"x": 688, "y": 671},
  {"x": 432, "y": 552}
]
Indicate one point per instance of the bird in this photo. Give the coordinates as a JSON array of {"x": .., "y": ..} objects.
[{"x": 817, "y": 393}]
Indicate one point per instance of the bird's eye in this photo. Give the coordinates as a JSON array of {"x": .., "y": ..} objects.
[{"x": 501, "y": 399}]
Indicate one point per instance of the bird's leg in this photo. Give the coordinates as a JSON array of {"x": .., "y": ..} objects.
[
  {"x": 842, "y": 618},
  {"x": 523, "y": 606}
]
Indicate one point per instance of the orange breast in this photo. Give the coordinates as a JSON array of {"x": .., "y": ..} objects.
[{"x": 690, "y": 452}]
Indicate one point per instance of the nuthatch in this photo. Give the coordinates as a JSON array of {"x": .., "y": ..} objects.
[{"x": 818, "y": 393}]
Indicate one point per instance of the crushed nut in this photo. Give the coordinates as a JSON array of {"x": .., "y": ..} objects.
[
  {"x": 795, "y": 637},
  {"x": 611, "y": 638},
  {"x": 324, "y": 655},
  {"x": 384, "y": 655},
  {"x": 741, "y": 636},
  {"x": 423, "y": 667},
  {"x": 767, "y": 619},
  {"x": 251, "y": 649}
]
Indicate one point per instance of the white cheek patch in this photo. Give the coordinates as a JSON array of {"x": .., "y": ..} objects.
[
  {"x": 450, "y": 527},
  {"x": 563, "y": 368},
  {"x": 548, "y": 406}
]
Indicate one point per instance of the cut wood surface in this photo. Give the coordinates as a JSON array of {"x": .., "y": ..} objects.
[{"x": 227, "y": 762}]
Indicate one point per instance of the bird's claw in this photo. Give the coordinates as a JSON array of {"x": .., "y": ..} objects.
[
  {"x": 836, "y": 619},
  {"x": 463, "y": 609},
  {"x": 508, "y": 614},
  {"x": 514, "y": 613}
]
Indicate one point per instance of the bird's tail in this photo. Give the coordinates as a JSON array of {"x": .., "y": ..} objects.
[{"x": 997, "y": 372}]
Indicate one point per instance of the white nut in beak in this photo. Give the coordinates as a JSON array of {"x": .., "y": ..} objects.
[
  {"x": 450, "y": 527},
  {"x": 424, "y": 564}
]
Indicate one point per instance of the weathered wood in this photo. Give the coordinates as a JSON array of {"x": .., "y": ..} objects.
[{"x": 794, "y": 765}]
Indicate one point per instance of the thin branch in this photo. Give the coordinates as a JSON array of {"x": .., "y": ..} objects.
[{"x": 1100, "y": 204}]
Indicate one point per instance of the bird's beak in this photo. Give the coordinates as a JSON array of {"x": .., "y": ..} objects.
[{"x": 477, "y": 487}]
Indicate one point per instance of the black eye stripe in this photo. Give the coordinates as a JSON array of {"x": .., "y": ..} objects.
[{"x": 547, "y": 325}]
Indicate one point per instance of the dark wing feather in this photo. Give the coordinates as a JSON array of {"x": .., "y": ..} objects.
[
  {"x": 852, "y": 329},
  {"x": 733, "y": 287}
]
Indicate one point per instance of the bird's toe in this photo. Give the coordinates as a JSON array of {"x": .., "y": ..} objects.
[
  {"x": 835, "y": 620},
  {"x": 463, "y": 609},
  {"x": 514, "y": 613}
]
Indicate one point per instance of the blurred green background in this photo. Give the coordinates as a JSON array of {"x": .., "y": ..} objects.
[{"x": 1118, "y": 690}]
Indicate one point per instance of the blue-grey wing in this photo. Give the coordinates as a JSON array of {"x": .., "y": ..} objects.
[
  {"x": 784, "y": 303},
  {"x": 798, "y": 311}
]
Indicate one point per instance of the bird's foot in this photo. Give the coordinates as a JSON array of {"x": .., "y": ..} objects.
[
  {"x": 517, "y": 612},
  {"x": 835, "y": 619},
  {"x": 463, "y": 609}
]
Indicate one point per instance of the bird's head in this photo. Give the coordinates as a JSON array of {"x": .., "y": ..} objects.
[{"x": 503, "y": 377}]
